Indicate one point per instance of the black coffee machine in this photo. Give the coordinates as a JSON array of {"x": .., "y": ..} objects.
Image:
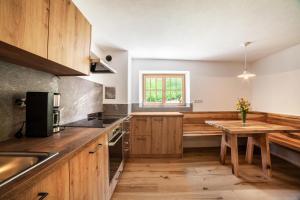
[{"x": 42, "y": 113}]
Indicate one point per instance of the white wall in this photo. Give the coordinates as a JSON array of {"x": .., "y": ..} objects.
[
  {"x": 276, "y": 88},
  {"x": 120, "y": 62},
  {"x": 213, "y": 83}
]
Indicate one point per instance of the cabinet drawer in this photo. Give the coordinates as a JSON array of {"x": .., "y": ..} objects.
[
  {"x": 140, "y": 145},
  {"x": 51, "y": 187},
  {"x": 141, "y": 126}
]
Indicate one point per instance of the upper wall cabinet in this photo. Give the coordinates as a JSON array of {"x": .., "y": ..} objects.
[
  {"x": 47, "y": 35},
  {"x": 69, "y": 36},
  {"x": 24, "y": 24}
]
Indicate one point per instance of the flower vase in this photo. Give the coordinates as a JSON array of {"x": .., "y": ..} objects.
[{"x": 244, "y": 117}]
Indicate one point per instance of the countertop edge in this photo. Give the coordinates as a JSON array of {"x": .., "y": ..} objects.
[{"x": 29, "y": 179}]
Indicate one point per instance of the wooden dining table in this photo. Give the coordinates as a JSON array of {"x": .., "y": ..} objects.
[{"x": 256, "y": 131}]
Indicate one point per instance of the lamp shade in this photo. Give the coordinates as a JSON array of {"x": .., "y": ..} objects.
[{"x": 246, "y": 75}]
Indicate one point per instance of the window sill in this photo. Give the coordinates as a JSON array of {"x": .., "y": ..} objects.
[{"x": 165, "y": 106}]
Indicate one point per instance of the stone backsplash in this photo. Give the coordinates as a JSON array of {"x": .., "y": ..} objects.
[{"x": 79, "y": 97}]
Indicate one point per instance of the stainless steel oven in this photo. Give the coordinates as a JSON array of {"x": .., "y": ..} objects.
[{"x": 116, "y": 155}]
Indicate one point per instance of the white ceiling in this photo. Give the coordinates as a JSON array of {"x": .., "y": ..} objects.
[{"x": 194, "y": 29}]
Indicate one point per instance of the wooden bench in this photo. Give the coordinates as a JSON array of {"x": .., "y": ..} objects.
[
  {"x": 288, "y": 140},
  {"x": 194, "y": 125},
  {"x": 194, "y": 122}
]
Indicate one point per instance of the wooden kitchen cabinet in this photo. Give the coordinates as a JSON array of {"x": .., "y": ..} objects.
[
  {"x": 156, "y": 136},
  {"x": 166, "y": 135},
  {"x": 89, "y": 172},
  {"x": 141, "y": 126},
  {"x": 47, "y": 35},
  {"x": 104, "y": 168},
  {"x": 54, "y": 186},
  {"x": 140, "y": 145},
  {"x": 69, "y": 36},
  {"x": 24, "y": 24}
]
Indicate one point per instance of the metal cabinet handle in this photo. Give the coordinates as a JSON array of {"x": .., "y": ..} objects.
[
  {"x": 42, "y": 195},
  {"x": 115, "y": 142},
  {"x": 97, "y": 148}
]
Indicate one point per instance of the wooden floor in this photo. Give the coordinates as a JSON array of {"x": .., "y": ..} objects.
[{"x": 200, "y": 176}]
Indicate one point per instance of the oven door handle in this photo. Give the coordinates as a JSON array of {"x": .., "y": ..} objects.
[{"x": 115, "y": 142}]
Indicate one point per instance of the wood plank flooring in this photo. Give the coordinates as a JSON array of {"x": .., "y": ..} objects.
[{"x": 198, "y": 175}]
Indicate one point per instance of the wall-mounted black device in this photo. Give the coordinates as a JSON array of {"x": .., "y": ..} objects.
[{"x": 39, "y": 114}]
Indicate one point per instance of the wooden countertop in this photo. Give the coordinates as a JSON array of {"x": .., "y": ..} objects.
[
  {"x": 67, "y": 142},
  {"x": 156, "y": 114}
]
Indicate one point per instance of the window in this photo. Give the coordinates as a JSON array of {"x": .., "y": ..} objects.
[{"x": 164, "y": 89}]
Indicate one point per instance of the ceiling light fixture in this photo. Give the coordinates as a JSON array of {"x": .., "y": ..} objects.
[{"x": 246, "y": 75}]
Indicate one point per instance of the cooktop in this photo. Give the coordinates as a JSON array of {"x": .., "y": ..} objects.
[{"x": 94, "y": 121}]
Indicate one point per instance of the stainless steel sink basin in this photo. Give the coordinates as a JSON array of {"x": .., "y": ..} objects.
[{"x": 15, "y": 164}]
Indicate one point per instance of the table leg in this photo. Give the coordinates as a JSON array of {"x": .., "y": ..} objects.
[
  {"x": 265, "y": 155},
  {"x": 249, "y": 151},
  {"x": 234, "y": 155},
  {"x": 223, "y": 149}
]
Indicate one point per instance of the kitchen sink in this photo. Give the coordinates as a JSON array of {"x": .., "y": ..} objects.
[{"x": 15, "y": 164}]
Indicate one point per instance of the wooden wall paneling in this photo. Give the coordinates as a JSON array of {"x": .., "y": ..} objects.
[
  {"x": 201, "y": 117},
  {"x": 288, "y": 120},
  {"x": 24, "y": 24}
]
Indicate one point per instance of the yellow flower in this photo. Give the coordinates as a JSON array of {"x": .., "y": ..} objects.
[{"x": 243, "y": 105}]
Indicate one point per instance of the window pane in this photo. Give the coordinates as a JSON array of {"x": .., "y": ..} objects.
[
  {"x": 179, "y": 96},
  {"x": 147, "y": 83},
  {"x": 179, "y": 83},
  {"x": 159, "y": 96},
  {"x": 168, "y": 84},
  {"x": 159, "y": 83},
  {"x": 173, "y": 87},
  {"x": 147, "y": 96},
  {"x": 173, "y": 83},
  {"x": 153, "y": 83}
]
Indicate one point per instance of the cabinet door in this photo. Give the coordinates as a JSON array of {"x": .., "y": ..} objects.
[
  {"x": 69, "y": 36},
  {"x": 173, "y": 139},
  {"x": 141, "y": 126},
  {"x": 82, "y": 44},
  {"x": 104, "y": 168},
  {"x": 24, "y": 24},
  {"x": 54, "y": 186},
  {"x": 166, "y": 135},
  {"x": 140, "y": 145},
  {"x": 158, "y": 136},
  {"x": 84, "y": 173}
]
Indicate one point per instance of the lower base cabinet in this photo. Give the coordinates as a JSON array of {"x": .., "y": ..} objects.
[
  {"x": 52, "y": 187},
  {"x": 89, "y": 172},
  {"x": 156, "y": 136},
  {"x": 84, "y": 177}
]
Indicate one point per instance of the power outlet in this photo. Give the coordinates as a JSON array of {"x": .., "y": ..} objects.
[{"x": 198, "y": 101}]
